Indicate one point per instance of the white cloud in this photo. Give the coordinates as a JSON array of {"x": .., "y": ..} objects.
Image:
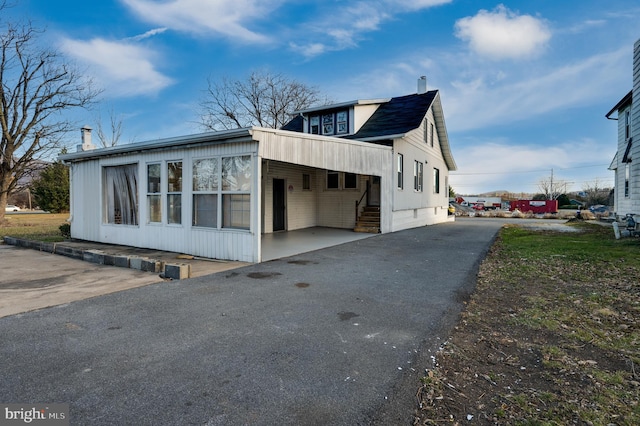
[
  {"x": 148, "y": 34},
  {"x": 503, "y": 34},
  {"x": 120, "y": 67},
  {"x": 487, "y": 99},
  {"x": 229, "y": 18},
  {"x": 344, "y": 30}
]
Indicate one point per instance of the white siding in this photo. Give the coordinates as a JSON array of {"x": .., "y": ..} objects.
[
  {"x": 412, "y": 208},
  {"x": 301, "y": 204},
  {"x": 88, "y": 205},
  {"x": 335, "y": 208}
]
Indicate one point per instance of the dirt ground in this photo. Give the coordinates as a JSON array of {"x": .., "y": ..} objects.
[{"x": 500, "y": 367}]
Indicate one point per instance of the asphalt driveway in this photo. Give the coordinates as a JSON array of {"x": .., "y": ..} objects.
[{"x": 337, "y": 336}]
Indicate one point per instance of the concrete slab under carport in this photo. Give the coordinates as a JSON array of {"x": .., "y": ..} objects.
[{"x": 289, "y": 243}]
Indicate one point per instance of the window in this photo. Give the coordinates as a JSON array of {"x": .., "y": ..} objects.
[
  {"x": 627, "y": 175},
  {"x": 306, "y": 182},
  {"x": 236, "y": 210},
  {"x": 205, "y": 197},
  {"x": 350, "y": 181},
  {"x": 314, "y": 125},
  {"x": 417, "y": 176},
  {"x": 174, "y": 192},
  {"x": 121, "y": 194},
  {"x": 627, "y": 124},
  {"x": 327, "y": 124},
  {"x": 431, "y": 130},
  {"x": 222, "y": 182},
  {"x": 425, "y": 130},
  {"x": 400, "y": 171},
  {"x": 436, "y": 181},
  {"x": 333, "y": 123},
  {"x": 341, "y": 122},
  {"x": 154, "y": 199},
  {"x": 333, "y": 180},
  {"x": 236, "y": 187}
]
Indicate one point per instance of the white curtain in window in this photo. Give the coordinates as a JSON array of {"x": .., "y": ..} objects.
[{"x": 121, "y": 184}]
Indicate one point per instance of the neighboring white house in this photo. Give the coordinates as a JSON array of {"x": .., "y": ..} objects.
[
  {"x": 627, "y": 172},
  {"x": 215, "y": 194}
]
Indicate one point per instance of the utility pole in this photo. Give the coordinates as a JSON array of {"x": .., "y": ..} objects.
[{"x": 551, "y": 186}]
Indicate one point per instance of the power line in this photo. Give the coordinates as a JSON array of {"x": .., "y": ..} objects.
[{"x": 525, "y": 171}]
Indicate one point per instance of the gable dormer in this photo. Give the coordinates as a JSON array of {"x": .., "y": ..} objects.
[{"x": 336, "y": 120}]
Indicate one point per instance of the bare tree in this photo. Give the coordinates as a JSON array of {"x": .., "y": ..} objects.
[
  {"x": 115, "y": 124},
  {"x": 551, "y": 188},
  {"x": 36, "y": 87},
  {"x": 595, "y": 194},
  {"x": 263, "y": 99}
]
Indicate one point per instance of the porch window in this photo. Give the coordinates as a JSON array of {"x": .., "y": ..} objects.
[
  {"x": 174, "y": 192},
  {"x": 436, "y": 181},
  {"x": 222, "y": 182},
  {"x": 236, "y": 188},
  {"x": 121, "y": 194},
  {"x": 400, "y": 169},
  {"x": 205, "y": 198},
  {"x": 236, "y": 211},
  {"x": 154, "y": 200}
]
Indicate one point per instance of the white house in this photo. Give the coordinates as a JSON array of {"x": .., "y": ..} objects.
[
  {"x": 627, "y": 172},
  {"x": 378, "y": 165}
]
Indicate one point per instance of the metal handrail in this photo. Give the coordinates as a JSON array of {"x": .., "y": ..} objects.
[{"x": 358, "y": 203}]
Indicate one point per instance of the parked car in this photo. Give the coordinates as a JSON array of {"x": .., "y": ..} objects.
[
  {"x": 452, "y": 209},
  {"x": 599, "y": 208},
  {"x": 11, "y": 208}
]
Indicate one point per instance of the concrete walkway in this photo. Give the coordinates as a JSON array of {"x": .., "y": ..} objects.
[{"x": 337, "y": 336}]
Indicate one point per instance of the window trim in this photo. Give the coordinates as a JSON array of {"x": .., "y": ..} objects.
[
  {"x": 400, "y": 171},
  {"x": 436, "y": 180},
  {"x": 174, "y": 193},
  {"x": 151, "y": 193}
]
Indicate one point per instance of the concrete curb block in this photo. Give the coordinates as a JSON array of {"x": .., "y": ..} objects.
[
  {"x": 174, "y": 271},
  {"x": 177, "y": 271}
]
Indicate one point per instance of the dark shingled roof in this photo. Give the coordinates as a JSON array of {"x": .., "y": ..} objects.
[
  {"x": 295, "y": 125},
  {"x": 398, "y": 116}
]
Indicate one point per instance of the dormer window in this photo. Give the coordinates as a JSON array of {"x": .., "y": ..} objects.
[
  {"x": 341, "y": 121},
  {"x": 327, "y": 124},
  {"x": 314, "y": 125},
  {"x": 333, "y": 123}
]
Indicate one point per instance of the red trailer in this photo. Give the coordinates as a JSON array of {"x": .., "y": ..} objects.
[{"x": 535, "y": 206}]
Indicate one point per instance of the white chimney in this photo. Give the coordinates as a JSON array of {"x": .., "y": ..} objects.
[
  {"x": 86, "y": 139},
  {"x": 422, "y": 85}
]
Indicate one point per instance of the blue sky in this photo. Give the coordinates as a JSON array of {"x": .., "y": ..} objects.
[{"x": 525, "y": 85}]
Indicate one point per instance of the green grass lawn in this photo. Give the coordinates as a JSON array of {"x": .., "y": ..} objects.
[{"x": 41, "y": 227}]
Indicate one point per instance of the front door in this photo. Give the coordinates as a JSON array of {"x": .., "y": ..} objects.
[
  {"x": 373, "y": 193},
  {"x": 278, "y": 205}
]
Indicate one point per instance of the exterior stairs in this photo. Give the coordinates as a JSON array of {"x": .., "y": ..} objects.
[{"x": 369, "y": 220}]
